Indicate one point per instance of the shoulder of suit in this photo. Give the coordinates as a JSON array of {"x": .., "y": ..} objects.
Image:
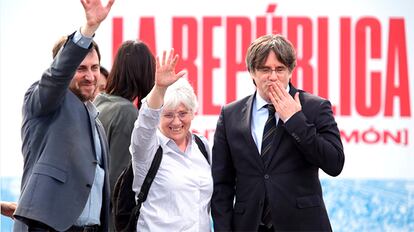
[
  {"x": 238, "y": 103},
  {"x": 115, "y": 105},
  {"x": 308, "y": 97}
]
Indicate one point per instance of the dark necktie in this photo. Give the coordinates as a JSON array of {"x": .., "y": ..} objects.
[
  {"x": 269, "y": 131},
  {"x": 268, "y": 134}
]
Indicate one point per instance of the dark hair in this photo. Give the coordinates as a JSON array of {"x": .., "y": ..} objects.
[
  {"x": 133, "y": 72},
  {"x": 259, "y": 49},
  {"x": 62, "y": 41},
  {"x": 104, "y": 71}
]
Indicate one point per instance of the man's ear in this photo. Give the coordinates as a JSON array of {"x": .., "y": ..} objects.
[{"x": 252, "y": 76}]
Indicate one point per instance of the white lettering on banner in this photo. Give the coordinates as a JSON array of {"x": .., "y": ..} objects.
[
  {"x": 373, "y": 136},
  {"x": 370, "y": 136},
  {"x": 364, "y": 92}
]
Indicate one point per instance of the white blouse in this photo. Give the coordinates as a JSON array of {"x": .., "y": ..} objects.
[{"x": 180, "y": 195}]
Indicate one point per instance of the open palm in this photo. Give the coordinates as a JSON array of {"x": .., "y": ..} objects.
[
  {"x": 165, "y": 74},
  {"x": 94, "y": 10}
]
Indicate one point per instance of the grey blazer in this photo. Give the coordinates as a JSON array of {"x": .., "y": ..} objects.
[{"x": 58, "y": 151}]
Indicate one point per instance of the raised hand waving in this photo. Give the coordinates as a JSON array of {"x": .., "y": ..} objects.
[{"x": 165, "y": 74}]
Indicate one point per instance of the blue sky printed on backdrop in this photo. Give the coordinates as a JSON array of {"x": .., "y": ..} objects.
[{"x": 353, "y": 205}]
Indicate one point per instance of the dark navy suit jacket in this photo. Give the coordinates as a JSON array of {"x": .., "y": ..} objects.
[{"x": 309, "y": 141}]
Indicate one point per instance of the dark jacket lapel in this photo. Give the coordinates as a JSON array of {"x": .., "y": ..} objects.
[{"x": 247, "y": 132}]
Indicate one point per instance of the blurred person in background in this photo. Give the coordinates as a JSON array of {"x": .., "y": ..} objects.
[
  {"x": 101, "y": 82},
  {"x": 131, "y": 77}
]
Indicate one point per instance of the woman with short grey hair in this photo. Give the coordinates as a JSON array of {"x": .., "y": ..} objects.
[{"x": 180, "y": 194}]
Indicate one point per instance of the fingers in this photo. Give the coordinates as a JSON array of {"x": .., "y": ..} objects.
[
  {"x": 164, "y": 53},
  {"x": 274, "y": 92},
  {"x": 166, "y": 66},
  {"x": 171, "y": 55},
  {"x": 109, "y": 4},
  {"x": 278, "y": 95},
  {"x": 83, "y": 3},
  {"x": 297, "y": 100},
  {"x": 272, "y": 95},
  {"x": 280, "y": 90},
  {"x": 169, "y": 62},
  {"x": 174, "y": 61},
  {"x": 157, "y": 63}
]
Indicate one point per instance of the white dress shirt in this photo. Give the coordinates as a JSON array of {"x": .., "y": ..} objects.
[
  {"x": 180, "y": 195},
  {"x": 91, "y": 213}
]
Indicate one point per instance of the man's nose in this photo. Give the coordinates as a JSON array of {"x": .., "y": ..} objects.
[
  {"x": 273, "y": 75},
  {"x": 90, "y": 76}
]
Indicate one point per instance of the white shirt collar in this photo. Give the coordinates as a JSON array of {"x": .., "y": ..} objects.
[{"x": 93, "y": 111}]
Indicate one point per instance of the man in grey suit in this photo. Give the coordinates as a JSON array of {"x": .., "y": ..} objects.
[
  {"x": 269, "y": 147},
  {"x": 65, "y": 182}
]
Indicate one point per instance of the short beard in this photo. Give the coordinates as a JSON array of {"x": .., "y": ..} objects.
[
  {"x": 85, "y": 98},
  {"x": 82, "y": 97}
]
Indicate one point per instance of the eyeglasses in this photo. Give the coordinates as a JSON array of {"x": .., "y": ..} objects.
[
  {"x": 268, "y": 71},
  {"x": 171, "y": 115}
]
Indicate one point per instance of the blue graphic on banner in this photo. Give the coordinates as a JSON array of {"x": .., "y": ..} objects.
[
  {"x": 353, "y": 205},
  {"x": 370, "y": 205}
]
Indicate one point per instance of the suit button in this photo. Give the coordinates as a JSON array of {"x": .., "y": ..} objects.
[
  {"x": 266, "y": 176},
  {"x": 294, "y": 135},
  {"x": 88, "y": 185}
]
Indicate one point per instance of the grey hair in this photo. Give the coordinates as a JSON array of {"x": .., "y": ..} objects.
[{"x": 181, "y": 92}]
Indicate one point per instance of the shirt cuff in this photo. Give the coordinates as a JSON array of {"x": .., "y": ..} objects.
[{"x": 81, "y": 40}]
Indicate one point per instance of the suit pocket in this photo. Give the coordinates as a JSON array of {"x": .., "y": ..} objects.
[
  {"x": 308, "y": 201},
  {"x": 239, "y": 208},
  {"x": 48, "y": 170}
]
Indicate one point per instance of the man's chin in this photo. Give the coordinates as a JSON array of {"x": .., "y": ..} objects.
[
  {"x": 84, "y": 93},
  {"x": 88, "y": 97},
  {"x": 85, "y": 96}
]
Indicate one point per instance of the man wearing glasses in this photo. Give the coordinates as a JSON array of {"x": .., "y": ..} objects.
[{"x": 269, "y": 147}]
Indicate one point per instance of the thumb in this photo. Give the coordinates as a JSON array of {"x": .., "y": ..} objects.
[
  {"x": 297, "y": 100},
  {"x": 181, "y": 73}
]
